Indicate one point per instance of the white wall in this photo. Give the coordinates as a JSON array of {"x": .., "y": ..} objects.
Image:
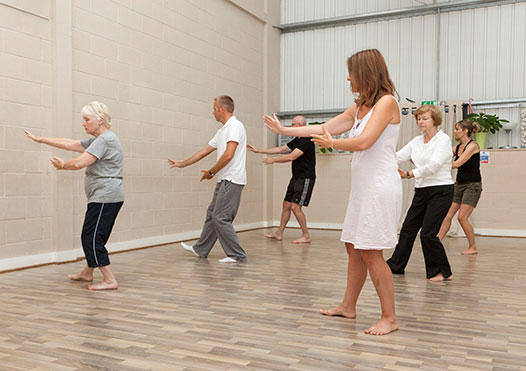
[
  {"x": 158, "y": 66},
  {"x": 26, "y": 188}
]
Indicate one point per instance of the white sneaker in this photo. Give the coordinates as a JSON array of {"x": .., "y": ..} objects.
[
  {"x": 227, "y": 260},
  {"x": 189, "y": 248}
]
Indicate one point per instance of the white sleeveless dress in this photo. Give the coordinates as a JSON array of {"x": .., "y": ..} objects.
[{"x": 375, "y": 202}]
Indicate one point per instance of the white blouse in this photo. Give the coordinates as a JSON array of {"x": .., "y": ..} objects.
[{"x": 432, "y": 160}]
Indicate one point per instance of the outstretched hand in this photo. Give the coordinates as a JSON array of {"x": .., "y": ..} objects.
[
  {"x": 32, "y": 136},
  {"x": 174, "y": 163},
  {"x": 324, "y": 140},
  {"x": 273, "y": 123},
  {"x": 251, "y": 148}
]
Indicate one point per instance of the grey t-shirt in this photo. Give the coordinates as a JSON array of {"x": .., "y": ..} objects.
[{"x": 103, "y": 182}]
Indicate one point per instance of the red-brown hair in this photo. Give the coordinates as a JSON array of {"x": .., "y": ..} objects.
[{"x": 368, "y": 70}]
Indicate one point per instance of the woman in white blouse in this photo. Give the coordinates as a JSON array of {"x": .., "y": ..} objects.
[{"x": 431, "y": 155}]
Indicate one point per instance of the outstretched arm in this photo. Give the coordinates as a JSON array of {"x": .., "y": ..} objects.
[
  {"x": 62, "y": 143},
  {"x": 80, "y": 162},
  {"x": 386, "y": 112},
  {"x": 337, "y": 125},
  {"x": 270, "y": 151},
  {"x": 198, "y": 156},
  {"x": 285, "y": 158}
]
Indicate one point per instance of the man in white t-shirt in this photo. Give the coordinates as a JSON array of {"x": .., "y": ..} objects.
[{"x": 231, "y": 143}]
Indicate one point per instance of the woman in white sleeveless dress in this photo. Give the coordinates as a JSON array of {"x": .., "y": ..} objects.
[{"x": 375, "y": 202}]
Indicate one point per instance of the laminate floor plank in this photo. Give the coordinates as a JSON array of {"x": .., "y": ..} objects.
[{"x": 175, "y": 312}]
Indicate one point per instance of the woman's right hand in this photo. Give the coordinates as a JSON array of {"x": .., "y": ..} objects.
[
  {"x": 32, "y": 136},
  {"x": 273, "y": 123}
]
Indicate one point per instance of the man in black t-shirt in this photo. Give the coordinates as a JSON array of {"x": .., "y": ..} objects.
[{"x": 302, "y": 154}]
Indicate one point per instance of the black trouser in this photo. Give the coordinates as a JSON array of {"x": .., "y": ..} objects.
[
  {"x": 98, "y": 223},
  {"x": 428, "y": 209}
]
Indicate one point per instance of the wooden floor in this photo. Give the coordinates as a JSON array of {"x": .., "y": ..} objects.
[{"x": 176, "y": 312}]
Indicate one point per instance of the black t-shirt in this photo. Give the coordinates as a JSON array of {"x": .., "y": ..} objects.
[{"x": 305, "y": 165}]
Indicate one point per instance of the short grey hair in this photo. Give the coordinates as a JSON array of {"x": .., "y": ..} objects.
[
  {"x": 99, "y": 110},
  {"x": 225, "y": 101}
]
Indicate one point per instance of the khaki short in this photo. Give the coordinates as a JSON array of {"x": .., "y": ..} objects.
[{"x": 467, "y": 193}]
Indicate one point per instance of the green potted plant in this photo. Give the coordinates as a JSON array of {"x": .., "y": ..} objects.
[{"x": 488, "y": 124}]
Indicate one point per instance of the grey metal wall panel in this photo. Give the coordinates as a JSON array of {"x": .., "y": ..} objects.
[
  {"x": 314, "y": 68},
  {"x": 481, "y": 55},
  {"x": 308, "y": 10}
]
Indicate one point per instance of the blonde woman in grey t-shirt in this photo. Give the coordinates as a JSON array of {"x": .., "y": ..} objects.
[{"x": 102, "y": 158}]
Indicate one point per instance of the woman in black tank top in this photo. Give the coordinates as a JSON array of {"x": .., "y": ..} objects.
[{"x": 468, "y": 186}]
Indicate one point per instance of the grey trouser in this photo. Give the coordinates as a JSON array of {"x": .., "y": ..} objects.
[{"x": 218, "y": 224}]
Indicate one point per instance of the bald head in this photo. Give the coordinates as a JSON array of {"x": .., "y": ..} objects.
[{"x": 299, "y": 121}]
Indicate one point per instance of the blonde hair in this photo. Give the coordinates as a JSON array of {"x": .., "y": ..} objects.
[
  {"x": 99, "y": 110},
  {"x": 436, "y": 116}
]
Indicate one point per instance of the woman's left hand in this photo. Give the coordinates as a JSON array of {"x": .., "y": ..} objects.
[
  {"x": 273, "y": 123},
  {"x": 58, "y": 163},
  {"x": 403, "y": 173},
  {"x": 324, "y": 140}
]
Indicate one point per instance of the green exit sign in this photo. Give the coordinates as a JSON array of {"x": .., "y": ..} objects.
[{"x": 431, "y": 102}]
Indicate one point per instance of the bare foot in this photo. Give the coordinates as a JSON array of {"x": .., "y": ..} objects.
[
  {"x": 104, "y": 286},
  {"x": 80, "y": 277},
  {"x": 470, "y": 251},
  {"x": 439, "y": 278},
  {"x": 302, "y": 240},
  {"x": 382, "y": 327},
  {"x": 274, "y": 236},
  {"x": 338, "y": 312}
]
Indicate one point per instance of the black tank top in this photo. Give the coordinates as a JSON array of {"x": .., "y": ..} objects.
[{"x": 470, "y": 171}]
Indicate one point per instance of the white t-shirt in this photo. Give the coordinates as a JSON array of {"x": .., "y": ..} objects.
[
  {"x": 235, "y": 170},
  {"x": 432, "y": 159}
]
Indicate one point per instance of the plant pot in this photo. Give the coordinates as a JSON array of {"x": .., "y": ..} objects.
[{"x": 480, "y": 138}]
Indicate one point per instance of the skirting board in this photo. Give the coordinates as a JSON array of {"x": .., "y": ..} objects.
[
  {"x": 316, "y": 225},
  {"x": 71, "y": 255},
  {"x": 500, "y": 232},
  {"x": 478, "y": 231}
]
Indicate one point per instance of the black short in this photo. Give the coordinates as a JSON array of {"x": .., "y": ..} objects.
[{"x": 299, "y": 191}]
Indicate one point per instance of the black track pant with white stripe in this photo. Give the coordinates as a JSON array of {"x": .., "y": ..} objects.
[{"x": 98, "y": 223}]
